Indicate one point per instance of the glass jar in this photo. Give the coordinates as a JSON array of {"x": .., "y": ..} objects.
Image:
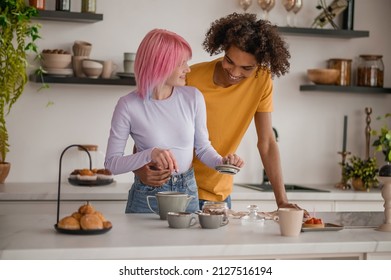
[
  {"x": 345, "y": 68},
  {"x": 252, "y": 218},
  {"x": 38, "y": 4},
  {"x": 63, "y": 5},
  {"x": 216, "y": 208},
  {"x": 97, "y": 157},
  {"x": 88, "y": 6},
  {"x": 370, "y": 71}
]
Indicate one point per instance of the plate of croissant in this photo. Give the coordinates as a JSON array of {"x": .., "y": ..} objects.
[{"x": 85, "y": 221}]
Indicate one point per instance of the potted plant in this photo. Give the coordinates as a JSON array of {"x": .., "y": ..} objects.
[
  {"x": 362, "y": 173},
  {"x": 17, "y": 38},
  {"x": 383, "y": 144}
]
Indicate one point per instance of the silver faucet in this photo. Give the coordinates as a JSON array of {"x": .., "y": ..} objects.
[{"x": 265, "y": 179}]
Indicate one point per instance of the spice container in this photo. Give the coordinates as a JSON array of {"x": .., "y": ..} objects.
[
  {"x": 345, "y": 68},
  {"x": 216, "y": 208},
  {"x": 38, "y": 4},
  {"x": 88, "y": 6},
  {"x": 370, "y": 71},
  {"x": 63, "y": 5}
]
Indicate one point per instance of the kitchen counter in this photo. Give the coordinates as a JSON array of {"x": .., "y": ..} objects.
[
  {"x": 119, "y": 191},
  {"x": 334, "y": 200},
  {"x": 145, "y": 236}
]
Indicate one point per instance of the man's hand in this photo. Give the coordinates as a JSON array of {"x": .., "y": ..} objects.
[
  {"x": 291, "y": 205},
  {"x": 150, "y": 175}
]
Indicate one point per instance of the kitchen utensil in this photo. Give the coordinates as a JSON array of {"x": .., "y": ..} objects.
[
  {"x": 169, "y": 202},
  {"x": 181, "y": 219}
]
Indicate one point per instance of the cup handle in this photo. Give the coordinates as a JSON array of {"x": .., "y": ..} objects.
[
  {"x": 224, "y": 222},
  {"x": 193, "y": 221},
  {"x": 148, "y": 197},
  {"x": 276, "y": 219}
]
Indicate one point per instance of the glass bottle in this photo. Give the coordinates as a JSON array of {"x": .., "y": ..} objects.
[
  {"x": 345, "y": 68},
  {"x": 252, "y": 218},
  {"x": 88, "y": 6},
  {"x": 370, "y": 71},
  {"x": 63, "y": 5},
  {"x": 38, "y": 4}
]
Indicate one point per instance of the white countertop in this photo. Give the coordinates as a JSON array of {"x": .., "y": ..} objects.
[
  {"x": 119, "y": 191},
  {"x": 145, "y": 236}
]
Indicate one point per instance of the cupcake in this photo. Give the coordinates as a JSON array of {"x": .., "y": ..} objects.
[
  {"x": 86, "y": 175},
  {"x": 104, "y": 174}
]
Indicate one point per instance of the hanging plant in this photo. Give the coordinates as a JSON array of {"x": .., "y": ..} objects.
[{"x": 17, "y": 39}]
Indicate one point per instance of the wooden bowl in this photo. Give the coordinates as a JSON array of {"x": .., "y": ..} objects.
[{"x": 323, "y": 76}]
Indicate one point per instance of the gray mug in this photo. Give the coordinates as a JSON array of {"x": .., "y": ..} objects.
[
  {"x": 211, "y": 221},
  {"x": 170, "y": 202},
  {"x": 181, "y": 219}
]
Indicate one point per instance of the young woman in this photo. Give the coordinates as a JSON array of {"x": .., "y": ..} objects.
[{"x": 166, "y": 120}]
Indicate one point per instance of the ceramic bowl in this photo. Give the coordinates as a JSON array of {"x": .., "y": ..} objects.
[
  {"x": 92, "y": 68},
  {"x": 56, "y": 60},
  {"x": 323, "y": 76}
]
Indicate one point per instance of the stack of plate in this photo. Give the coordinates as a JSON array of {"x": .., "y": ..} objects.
[{"x": 59, "y": 72}]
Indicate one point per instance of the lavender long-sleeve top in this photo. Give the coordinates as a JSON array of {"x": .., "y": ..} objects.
[{"x": 177, "y": 123}]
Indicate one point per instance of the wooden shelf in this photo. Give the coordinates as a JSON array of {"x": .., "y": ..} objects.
[
  {"x": 352, "y": 89},
  {"x": 68, "y": 16},
  {"x": 319, "y": 32},
  {"x": 75, "y": 80}
]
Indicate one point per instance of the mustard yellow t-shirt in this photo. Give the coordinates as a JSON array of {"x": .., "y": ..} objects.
[{"x": 229, "y": 113}]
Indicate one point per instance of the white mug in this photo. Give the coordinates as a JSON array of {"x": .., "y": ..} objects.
[{"x": 290, "y": 221}]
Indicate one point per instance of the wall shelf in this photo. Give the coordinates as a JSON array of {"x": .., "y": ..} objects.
[
  {"x": 75, "y": 80},
  {"x": 352, "y": 89},
  {"x": 68, "y": 16},
  {"x": 319, "y": 32}
]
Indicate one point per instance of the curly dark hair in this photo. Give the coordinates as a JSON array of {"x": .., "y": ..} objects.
[{"x": 257, "y": 37}]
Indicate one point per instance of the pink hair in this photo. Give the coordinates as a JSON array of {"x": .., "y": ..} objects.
[{"x": 159, "y": 53}]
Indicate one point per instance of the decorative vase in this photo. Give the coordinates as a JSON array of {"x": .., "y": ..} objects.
[
  {"x": 4, "y": 170},
  {"x": 385, "y": 170},
  {"x": 358, "y": 184}
]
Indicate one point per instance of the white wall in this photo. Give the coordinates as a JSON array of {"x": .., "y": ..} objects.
[{"x": 310, "y": 124}]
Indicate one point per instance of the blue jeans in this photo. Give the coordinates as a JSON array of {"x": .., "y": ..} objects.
[
  {"x": 185, "y": 183},
  {"x": 227, "y": 200}
]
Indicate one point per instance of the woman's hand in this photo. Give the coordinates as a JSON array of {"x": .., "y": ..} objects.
[
  {"x": 164, "y": 159},
  {"x": 233, "y": 159}
]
